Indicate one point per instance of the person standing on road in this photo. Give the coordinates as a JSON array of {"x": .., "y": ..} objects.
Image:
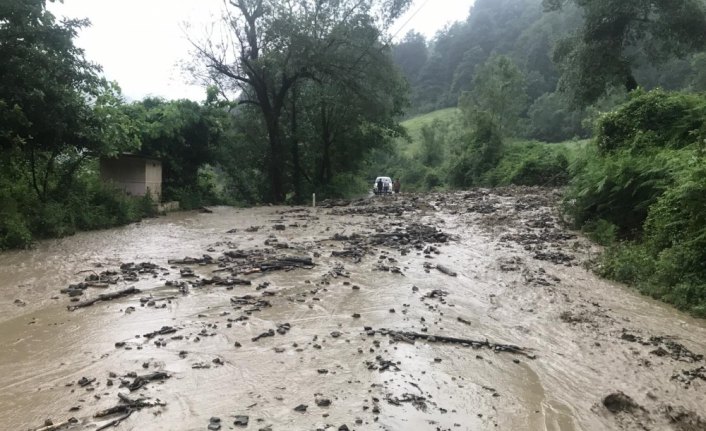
[
  {"x": 379, "y": 185},
  {"x": 396, "y": 186}
]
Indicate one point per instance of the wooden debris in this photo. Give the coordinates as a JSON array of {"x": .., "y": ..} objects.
[
  {"x": 508, "y": 348},
  {"x": 116, "y": 422},
  {"x": 141, "y": 381},
  {"x": 56, "y": 427},
  {"x": 105, "y": 297}
]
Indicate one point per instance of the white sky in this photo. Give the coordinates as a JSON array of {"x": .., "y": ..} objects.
[{"x": 141, "y": 44}]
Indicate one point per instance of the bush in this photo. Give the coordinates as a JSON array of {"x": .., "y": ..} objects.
[
  {"x": 626, "y": 263},
  {"x": 88, "y": 205},
  {"x": 652, "y": 119},
  {"x": 619, "y": 188},
  {"x": 14, "y": 229},
  {"x": 432, "y": 180},
  {"x": 530, "y": 164},
  {"x": 483, "y": 152},
  {"x": 601, "y": 231},
  {"x": 14, "y": 232},
  {"x": 645, "y": 181}
]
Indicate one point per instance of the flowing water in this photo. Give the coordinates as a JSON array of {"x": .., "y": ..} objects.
[{"x": 573, "y": 322}]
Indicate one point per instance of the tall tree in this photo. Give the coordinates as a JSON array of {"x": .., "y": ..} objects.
[
  {"x": 55, "y": 108},
  {"x": 272, "y": 45},
  {"x": 602, "y": 53},
  {"x": 410, "y": 55},
  {"x": 498, "y": 91}
]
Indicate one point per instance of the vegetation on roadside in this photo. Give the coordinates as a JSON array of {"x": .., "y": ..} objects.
[{"x": 640, "y": 190}]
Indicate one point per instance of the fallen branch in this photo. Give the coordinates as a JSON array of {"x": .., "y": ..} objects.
[
  {"x": 55, "y": 427},
  {"x": 508, "y": 348},
  {"x": 105, "y": 297},
  {"x": 115, "y": 422},
  {"x": 138, "y": 403},
  {"x": 141, "y": 381},
  {"x": 165, "y": 330},
  {"x": 112, "y": 411},
  {"x": 286, "y": 263}
]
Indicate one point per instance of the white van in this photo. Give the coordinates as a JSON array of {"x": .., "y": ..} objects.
[{"x": 386, "y": 185}]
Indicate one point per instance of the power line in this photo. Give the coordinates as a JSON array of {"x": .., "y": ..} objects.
[{"x": 410, "y": 18}]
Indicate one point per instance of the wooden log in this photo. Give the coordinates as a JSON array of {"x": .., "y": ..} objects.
[
  {"x": 115, "y": 422},
  {"x": 105, "y": 297},
  {"x": 54, "y": 427},
  {"x": 138, "y": 403},
  {"x": 165, "y": 330},
  {"x": 446, "y": 270},
  {"x": 141, "y": 381},
  {"x": 113, "y": 410},
  {"x": 509, "y": 348}
]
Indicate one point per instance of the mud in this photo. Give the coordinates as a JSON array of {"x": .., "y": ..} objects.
[{"x": 465, "y": 311}]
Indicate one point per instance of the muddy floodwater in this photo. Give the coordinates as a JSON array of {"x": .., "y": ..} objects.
[{"x": 459, "y": 311}]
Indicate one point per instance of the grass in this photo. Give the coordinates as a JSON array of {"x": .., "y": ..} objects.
[{"x": 414, "y": 128}]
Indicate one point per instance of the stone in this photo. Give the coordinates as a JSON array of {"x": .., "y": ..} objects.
[{"x": 241, "y": 420}]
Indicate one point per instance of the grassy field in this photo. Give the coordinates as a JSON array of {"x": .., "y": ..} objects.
[
  {"x": 414, "y": 128},
  {"x": 451, "y": 116}
]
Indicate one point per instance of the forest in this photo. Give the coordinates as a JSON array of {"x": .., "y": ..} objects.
[{"x": 606, "y": 99}]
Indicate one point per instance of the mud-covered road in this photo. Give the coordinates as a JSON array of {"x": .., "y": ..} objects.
[{"x": 466, "y": 311}]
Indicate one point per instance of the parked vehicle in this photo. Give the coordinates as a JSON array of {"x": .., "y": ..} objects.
[{"x": 386, "y": 185}]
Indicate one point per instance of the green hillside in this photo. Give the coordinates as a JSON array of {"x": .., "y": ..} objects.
[
  {"x": 414, "y": 128},
  {"x": 414, "y": 125}
]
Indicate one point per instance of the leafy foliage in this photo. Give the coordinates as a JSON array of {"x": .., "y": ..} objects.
[
  {"x": 651, "y": 119},
  {"x": 272, "y": 49},
  {"x": 643, "y": 182},
  {"x": 600, "y": 54},
  {"x": 498, "y": 92}
]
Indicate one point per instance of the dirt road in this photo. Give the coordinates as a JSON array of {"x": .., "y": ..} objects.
[{"x": 466, "y": 311}]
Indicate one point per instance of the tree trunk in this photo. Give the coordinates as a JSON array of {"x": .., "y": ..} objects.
[
  {"x": 325, "y": 169},
  {"x": 630, "y": 82},
  {"x": 275, "y": 161},
  {"x": 296, "y": 169}
]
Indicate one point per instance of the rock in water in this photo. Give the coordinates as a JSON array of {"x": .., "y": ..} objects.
[
  {"x": 619, "y": 402},
  {"x": 241, "y": 421}
]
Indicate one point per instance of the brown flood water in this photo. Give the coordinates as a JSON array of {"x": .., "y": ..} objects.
[{"x": 591, "y": 338}]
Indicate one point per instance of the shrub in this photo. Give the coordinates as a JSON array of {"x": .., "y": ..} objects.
[
  {"x": 652, "y": 119},
  {"x": 601, "y": 231},
  {"x": 626, "y": 263},
  {"x": 619, "y": 188},
  {"x": 483, "y": 152},
  {"x": 645, "y": 181},
  {"x": 432, "y": 180},
  {"x": 14, "y": 232}
]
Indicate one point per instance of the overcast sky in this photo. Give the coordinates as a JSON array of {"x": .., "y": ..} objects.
[{"x": 141, "y": 43}]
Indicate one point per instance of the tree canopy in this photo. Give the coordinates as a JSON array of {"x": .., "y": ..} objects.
[
  {"x": 616, "y": 34},
  {"x": 271, "y": 47}
]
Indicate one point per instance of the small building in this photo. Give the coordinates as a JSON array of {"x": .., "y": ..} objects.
[{"x": 135, "y": 174}]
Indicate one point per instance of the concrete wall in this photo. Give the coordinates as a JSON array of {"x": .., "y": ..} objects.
[
  {"x": 133, "y": 174},
  {"x": 153, "y": 178}
]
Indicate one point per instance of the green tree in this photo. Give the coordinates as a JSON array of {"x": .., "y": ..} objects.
[
  {"x": 410, "y": 55},
  {"x": 56, "y": 110},
  {"x": 272, "y": 45},
  {"x": 552, "y": 120},
  {"x": 498, "y": 91},
  {"x": 698, "y": 77},
  {"x": 602, "y": 53},
  {"x": 482, "y": 152},
  {"x": 342, "y": 118},
  {"x": 184, "y": 135}
]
